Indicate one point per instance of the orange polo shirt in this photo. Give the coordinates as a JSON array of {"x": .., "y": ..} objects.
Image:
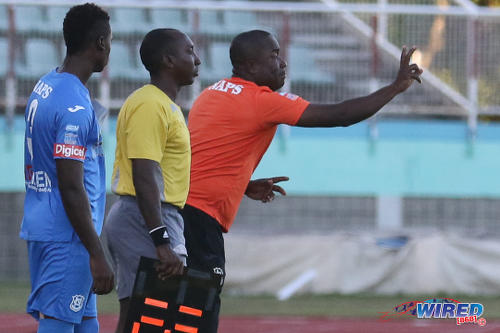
[{"x": 232, "y": 123}]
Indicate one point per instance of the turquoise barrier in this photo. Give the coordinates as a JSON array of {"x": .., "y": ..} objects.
[
  {"x": 387, "y": 167},
  {"x": 410, "y": 158},
  {"x": 12, "y": 155}
]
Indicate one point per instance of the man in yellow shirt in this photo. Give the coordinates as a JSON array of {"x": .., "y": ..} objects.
[{"x": 152, "y": 165}]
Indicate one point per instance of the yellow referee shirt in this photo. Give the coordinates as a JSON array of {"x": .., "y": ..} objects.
[{"x": 151, "y": 126}]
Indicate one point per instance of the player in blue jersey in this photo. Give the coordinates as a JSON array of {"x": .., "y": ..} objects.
[{"x": 65, "y": 183}]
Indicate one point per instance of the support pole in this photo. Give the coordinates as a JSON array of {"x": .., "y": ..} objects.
[
  {"x": 472, "y": 74},
  {"x": 10, "y": 82}
]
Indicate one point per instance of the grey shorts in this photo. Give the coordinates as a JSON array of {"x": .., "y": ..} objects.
[{"x": 128, "y": 239}]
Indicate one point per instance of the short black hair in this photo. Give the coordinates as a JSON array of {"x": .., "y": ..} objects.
[
  {"x": 156, "y": 44},
  {"x": 246, "y": 46},
  {"x": 82, "y": 25}
]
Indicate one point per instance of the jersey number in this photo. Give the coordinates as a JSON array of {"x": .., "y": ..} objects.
[{"x": 31, "y": 117}]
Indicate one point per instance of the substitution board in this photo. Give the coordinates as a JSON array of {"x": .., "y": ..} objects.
[{"x": 177, "y": 304}]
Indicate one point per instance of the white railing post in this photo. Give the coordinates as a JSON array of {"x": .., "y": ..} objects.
[
  {"x": 471, "y": 67},
  {"x": 382, "y": 19},
  {"x": 472, "y": 74}
]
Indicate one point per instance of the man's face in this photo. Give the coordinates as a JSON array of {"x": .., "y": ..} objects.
[
  {"x": 185, "y": 61},
  {"x": 107, "y": 47},
  {"x": 269, "y": 66}
]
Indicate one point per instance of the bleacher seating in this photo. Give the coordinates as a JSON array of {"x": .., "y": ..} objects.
[
  {"x": 227, "y": 24},
  {"x": 328, "y": 60},
  {"x": 210, "y": 23},
  {"x": 29, "y": 19},
  {"x": 122, "y": 65},
  {"x": 4, "y": 18},
  {"x": 214, "y": 31},
  {"x": 237, "y": 22},
  {"x": 3, "y": 57},
  {"x": 138, "y": 61},
  {"x": 129, "y": 21},
  {"x": 55, "y": 18},
  {"x": 41, "y": 56},
  {"x": 302, "y": 67},
  {"x": 170, "y": 18},
  {"x": 217, "y": 28},
  {"x": 217, "y": 65}
]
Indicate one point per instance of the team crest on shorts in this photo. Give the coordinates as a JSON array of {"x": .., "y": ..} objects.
[
  {"x": 76, "y": 303},
  {"x": 219, "y": 271}
]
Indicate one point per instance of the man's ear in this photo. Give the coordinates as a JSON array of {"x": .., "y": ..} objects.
[
  {"x": 101, "y": 44},
  {"x": 168, "y": 61}
]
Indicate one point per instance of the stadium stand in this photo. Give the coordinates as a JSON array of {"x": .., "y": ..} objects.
[
  {"x": 210, "y": 23},
  {"x": 55, "y": 18},
  {"x": 236, "y": 22},
  {"x": 303, "y": 69},
  {"x": 3, "y": 57},
  {"x": 329, "y": 59},
  {"x": 41, "y": 55},
  {"x": 4, "y": 19},
  {"x": 170, "y": 18},
  {"x": 123, "y": 65},
  {"x": 129, "y": 21},
  {"x": 29, "y": 19},
  {"x": 219, "y": 64}
]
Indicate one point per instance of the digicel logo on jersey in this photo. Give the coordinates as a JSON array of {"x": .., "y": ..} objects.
[{"x": 69, "y": 151}]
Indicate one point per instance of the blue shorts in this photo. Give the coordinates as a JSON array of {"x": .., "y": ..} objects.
[{"x": 61, "y": 281}]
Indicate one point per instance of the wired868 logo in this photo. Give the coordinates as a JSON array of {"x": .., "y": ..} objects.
[{"x": 439, "y": 308}]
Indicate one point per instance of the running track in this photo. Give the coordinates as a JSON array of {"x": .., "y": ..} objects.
[{"x": 19, "y": 323}]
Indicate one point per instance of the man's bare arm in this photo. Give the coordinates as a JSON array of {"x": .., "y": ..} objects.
[
  {"x": 149, "y": 201},
  {"x": 77, "y": 207},
  {"x": 355, "y": 110}
]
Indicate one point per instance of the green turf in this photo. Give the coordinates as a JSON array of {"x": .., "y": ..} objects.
[
  {"x": 356, "y": 305},
  {"x": 13, "y": 298}
]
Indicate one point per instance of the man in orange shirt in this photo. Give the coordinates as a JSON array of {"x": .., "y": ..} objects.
[{"x": 233, "y": 122}]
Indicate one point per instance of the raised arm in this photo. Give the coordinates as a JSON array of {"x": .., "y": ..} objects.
[
  {"x": 77, "y": 207},
  {"x": 355, "y": 110}
]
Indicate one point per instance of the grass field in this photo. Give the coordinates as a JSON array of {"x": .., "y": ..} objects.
[{"x": 13, "y": 297}]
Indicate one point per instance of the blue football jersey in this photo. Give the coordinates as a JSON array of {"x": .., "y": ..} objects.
[{"x": 60, "y": 123}]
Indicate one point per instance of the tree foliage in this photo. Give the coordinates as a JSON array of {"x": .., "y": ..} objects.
[{"x": 489, "y": 3}]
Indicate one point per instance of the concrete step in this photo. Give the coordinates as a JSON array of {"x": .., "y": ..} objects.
[
  {"x": 336, "y": 41},
  {"x": 342, "y": 55}
]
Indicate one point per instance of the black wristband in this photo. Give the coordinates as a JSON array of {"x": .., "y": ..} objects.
[{"x": 159, "y": 236}]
